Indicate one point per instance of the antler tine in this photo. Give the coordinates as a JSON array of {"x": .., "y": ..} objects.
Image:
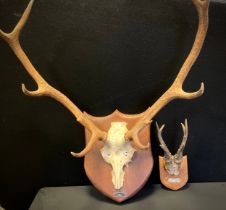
[
  {"x": 161, "y": 141},
  {"x": 14, "y": 35},
  {"x": 176, "y": 89},
  {"x": 44, "y": 89},
  {"x": 12, "y": 39},
  {"x": 88, "y": 147},
  {"x": 180, "y": 150}
]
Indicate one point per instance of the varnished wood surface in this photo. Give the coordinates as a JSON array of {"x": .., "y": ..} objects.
[
  {"x": 136, "y": 173},
  {"x": 165, "y": 177}
]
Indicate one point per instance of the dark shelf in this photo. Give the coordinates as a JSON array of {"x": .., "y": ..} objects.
[{"x": 200, "y": 196}]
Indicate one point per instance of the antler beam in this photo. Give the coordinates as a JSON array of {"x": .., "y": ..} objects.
[
  {"x": 44, "y": 89},
  {"x": 176, "y": 90}
]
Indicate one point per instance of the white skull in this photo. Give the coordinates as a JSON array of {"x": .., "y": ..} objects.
[{"x": 117, "y": 152}]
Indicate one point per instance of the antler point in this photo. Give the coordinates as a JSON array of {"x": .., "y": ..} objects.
[
  {"x": 202, "y": 87},
  {"x": 75, "y": 154},
  {"x": 24, "y": 89},
  {"x": 162, "y": 127}
]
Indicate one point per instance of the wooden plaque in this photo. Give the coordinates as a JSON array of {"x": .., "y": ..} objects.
[
  {"x": 136, "y": 173},
  {"x": 171, "y": 181}
]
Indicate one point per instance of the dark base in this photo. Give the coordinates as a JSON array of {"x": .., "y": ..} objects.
[{"x": 202, "y": 196}]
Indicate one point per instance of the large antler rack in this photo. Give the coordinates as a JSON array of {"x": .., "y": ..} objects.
[
  {"x": 176, "y": 90},
  {"x": 44, "y": 89}
]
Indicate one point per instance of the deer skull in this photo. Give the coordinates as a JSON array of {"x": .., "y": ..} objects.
[{"x": 117, "y": 152}]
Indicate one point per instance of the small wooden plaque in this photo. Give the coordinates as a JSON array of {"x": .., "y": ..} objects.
[{"x": 170, "y": 181}]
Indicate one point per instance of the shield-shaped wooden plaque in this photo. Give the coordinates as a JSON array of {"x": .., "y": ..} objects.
[
  {"x": 174, "y": 182},
  {"x": 136, "y": 173}
]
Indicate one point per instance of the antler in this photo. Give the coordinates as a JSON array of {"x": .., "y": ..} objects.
[
  {"x": 162, "y": 142},
  {"x": 176, "y": 89},
  {"x": 180, "y": 150},
  {"x": 44, "y": 89}
]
